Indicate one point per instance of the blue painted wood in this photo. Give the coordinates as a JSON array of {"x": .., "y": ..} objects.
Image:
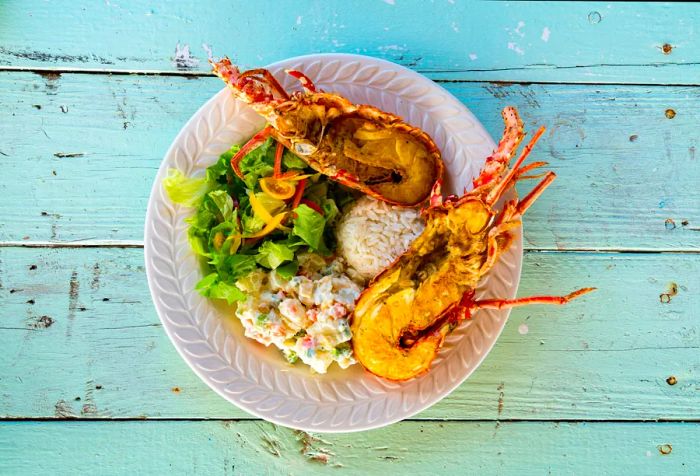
[
  {"x": 624, "y": 168},
  {"x": 243, "y": 448},
  {"x": 516, "y": 41},
  {"x": 81, "y": 339}
]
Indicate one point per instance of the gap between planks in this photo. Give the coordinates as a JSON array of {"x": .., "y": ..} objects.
[
  {"x": 418, "y": 420},
  {"x": 428, "y": 73},
  {"x": 139, "y": 244}
]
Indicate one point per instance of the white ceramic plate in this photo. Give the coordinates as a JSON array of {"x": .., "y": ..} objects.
[{"x": 256, "y": 378}]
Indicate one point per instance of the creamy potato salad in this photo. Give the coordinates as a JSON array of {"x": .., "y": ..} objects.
[{"x": 304, "y": 316}]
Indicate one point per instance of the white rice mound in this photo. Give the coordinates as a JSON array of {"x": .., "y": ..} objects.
[{"x": 371, "y": 234}]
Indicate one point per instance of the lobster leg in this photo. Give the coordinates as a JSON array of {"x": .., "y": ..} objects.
[
  {"x": 306, "y": 83},
  {"x": 506, "y": 182},
  {"x": 254, "y": 142},
  {"x": 508, "y": 303},
  {"x": 494, "y": 249},
  {"x": 530, "y": 198},
  {"x": 266, "y": 77},
  {"x": 528, "y": 167},
  {"x": 512, "y": 136}
]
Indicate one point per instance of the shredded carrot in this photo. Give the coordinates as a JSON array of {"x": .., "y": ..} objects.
[
  {"x": 277, "y": 169},
  {"x": 297, "y": 195}
]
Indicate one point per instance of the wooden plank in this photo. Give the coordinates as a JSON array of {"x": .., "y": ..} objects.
[
  {"x": 80, "y": 338},
  {"x": 428, "y": 448},
  {"x": 82, "y": 167},
  {"x": 518, "y": 41}
]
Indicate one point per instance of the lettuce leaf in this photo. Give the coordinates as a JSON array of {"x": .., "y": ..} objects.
[
  {"x": 309, "y": 225},
  {"x": 211, "y": 286},
  {"x": 183, "y": 190},
  {"x": 258, "y": 163},
  {"x": 238, "y": 266},
  {"x": 291, "y": 161},
  {"x": 288, "y": 270},
  {"x": 330, "y": 210},
  {"x": 223, "y": 202},
  {"x": 222, "y": 168},
  {"x": 271, "y": 255}
]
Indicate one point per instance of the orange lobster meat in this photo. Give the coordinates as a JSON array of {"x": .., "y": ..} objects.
[
  {"x": 401, "y": 320},
  {"x": 359, "y": 146}
]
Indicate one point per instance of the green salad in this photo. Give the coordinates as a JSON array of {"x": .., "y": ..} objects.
[{"x": 278, "y": 210}]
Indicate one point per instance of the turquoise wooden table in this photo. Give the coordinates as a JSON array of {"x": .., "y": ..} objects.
[{"x": 91, "y": 95}]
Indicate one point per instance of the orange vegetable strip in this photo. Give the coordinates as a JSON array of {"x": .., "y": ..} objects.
[{"x": 277, "y": 170}]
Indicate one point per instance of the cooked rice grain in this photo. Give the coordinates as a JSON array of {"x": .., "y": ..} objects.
[{"x": 371, "y": 234}]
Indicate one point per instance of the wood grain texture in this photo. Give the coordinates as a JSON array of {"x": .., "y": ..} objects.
[
  {"x": 81, "y": 340},
  {"x": 82, "y": 166},
  {"x": 518, "y": 41},
  {"x": 243, "y": 448}
]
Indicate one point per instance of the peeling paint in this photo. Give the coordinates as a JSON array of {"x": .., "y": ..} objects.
[
  {"x": 62, "y": 409},
  {"x": 501, "y": 395},
  {"x": 514, "y": 47},
  {"x": 665, "y": 449},
  {"x": 311, "y": 448},
  {"x": 183, "y": 59},
  {"x": 545, "y": 34},
  {"x": 73, "y": 292}
]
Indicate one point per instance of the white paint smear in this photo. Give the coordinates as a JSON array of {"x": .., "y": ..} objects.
[
  {"x": 516, "y": 48},
  {"x": 523, "y": 329},
  {"x": 455, "y": 27},
  {"x": 299, "y": 20},
  {"x": 519, "y": 29},
  {"x": 545, "y": 34},
  {"x": 472, "y": 56},
  {"x": 390, "y": 2}
]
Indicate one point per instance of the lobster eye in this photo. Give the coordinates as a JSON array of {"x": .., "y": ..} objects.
[{"x": 304, "y": 148}]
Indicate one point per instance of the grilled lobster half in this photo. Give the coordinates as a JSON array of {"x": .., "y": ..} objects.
[
  {"x": 402, "y": 318},
  {"x": 359, "y": 146}
]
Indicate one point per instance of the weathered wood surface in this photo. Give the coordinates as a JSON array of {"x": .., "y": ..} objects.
[
  {"x": 81, "y": 339},
  {"x": 79, "y": 153},
  {"x": 515, "y": 41},
  {"x": 244, "y": 448}
]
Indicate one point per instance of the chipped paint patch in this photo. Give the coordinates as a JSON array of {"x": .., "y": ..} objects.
[
  {"x": 183, "y": 59},
  {"x": 665, "y": 449},
  {"x": 44, "y": 322},
  {"x": 73, "y": 292},
  {"x": 207, "y": 50},
  {"x": 501, "y": 395},
  {"x": 523, "y": 329},
  {"x": 312, "y": 449},
  {"x": 299, "y": 20},
  {"x": 671, "y": 291},
  {"x": 390, "y": 2},
  {"x": 62, "y": 409},
  {"x": 519, "y": 29},
  {"x": 545, "y": 34},
  {"x": 514, "y": 47},
  {"x": 473, "y": 57}
]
